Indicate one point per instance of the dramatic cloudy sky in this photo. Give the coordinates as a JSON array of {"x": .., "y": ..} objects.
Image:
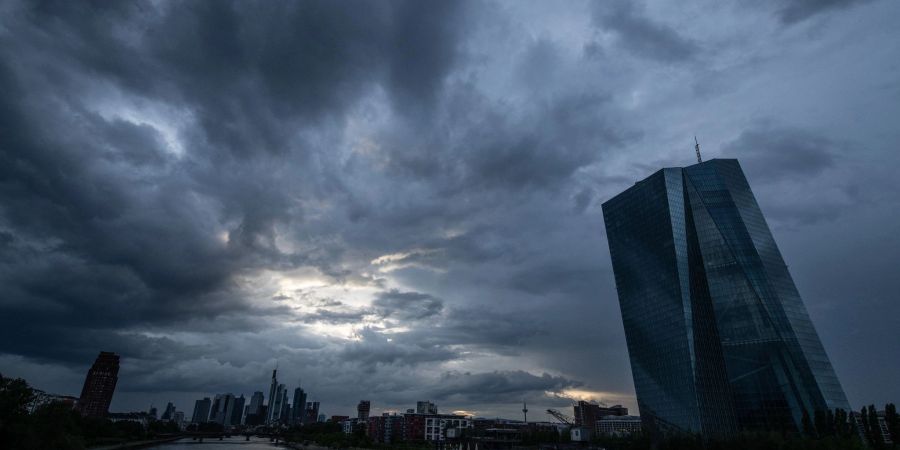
[{"x": 400, "y": 201}]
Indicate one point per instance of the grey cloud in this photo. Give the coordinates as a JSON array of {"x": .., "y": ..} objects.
[
  {"x": 379, "y": 349},
  {"x": 786, "y": 163},
  {"x": 335, "y": 317},
  {"x": 790, "y": 12},
  {"x": 642, "y": 35},
  {"x": 504, "y": 331},
  {"x": 770, "y": 152},
  {"x": 497, "y": 385},
  {"x": 302, "y": 61},
  {"x": 406, "y": 305}
]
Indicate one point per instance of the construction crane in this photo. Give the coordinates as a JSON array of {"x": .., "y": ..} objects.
[{"x": 561, "y": 417}]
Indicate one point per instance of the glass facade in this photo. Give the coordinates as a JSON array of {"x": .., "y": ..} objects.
[{"x": 718, "y": 337}]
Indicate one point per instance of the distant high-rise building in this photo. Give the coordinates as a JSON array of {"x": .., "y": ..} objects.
[
  {"x": 298, "y": 410},
  {"x": 362, "y": 410},
  {"x": 201, "y": 410},
  {"x": 718, "y": 336},
  {"x": 285, "y": 408},
  {"x": 178, "y": 418},
  {"x": 254, "y": 411},
  {"x": 256, "y": 402},
  {"x": 169, "y": 413},
  {"x": 99, "y": 386},
  {"x": 272, "y": 388},
  {"x": 218, "y": 404},
  {"x": 237, "y": 410},
  {"x": 426, "y": 407},
  {"x": 276, "y": 405},
  {"x": 222, "y": 409},
  {"x": 312, "y": 412},
  {"x": 587, "y": 413},
  {"x": 384, "y": 429}
]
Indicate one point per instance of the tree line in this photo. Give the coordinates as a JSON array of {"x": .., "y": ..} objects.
[{"x": 58, "y": 426}]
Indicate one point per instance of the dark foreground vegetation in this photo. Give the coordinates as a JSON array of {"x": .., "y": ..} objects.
[
  {"x": 58, "y": 426},
  {"x": 327, "y": 434}
]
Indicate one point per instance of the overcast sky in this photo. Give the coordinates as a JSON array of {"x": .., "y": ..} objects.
[{"x": 400, "y": 201}]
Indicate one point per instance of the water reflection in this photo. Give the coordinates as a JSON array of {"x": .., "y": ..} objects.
[{"x": 234, "y": 443}]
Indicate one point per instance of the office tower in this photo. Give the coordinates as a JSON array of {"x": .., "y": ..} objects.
[
  {"x": 272, "y": 388},
  {"x": 237, "y": 410},
  {"x": 169, "y": 413},
  {"x": 99, "y": 386},
  {"x": 588, "y": 413},
  {"x": 718, "y": 336},
  {"x": 362, "y": 410},
  {"x": 217, "y": 405},
  {"x": 312, "y": 412},
  {"x": 285, "y": 417},
  {"x": 276, "y": 405},
  {"x": 178, "y": 418},
  {"x": 426, "y": 407},
  {"x": 256, "y": 402},
  {"x": 255, "y": 414},
  {"x": 222, "y": 409},
  {"x": 299, "y": 409},
  {"x": 201, "y": 410},
  {"x": 228, "y": 412}
]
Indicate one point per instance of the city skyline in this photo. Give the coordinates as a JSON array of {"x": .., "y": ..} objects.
[{"x": 399, "y": 202}]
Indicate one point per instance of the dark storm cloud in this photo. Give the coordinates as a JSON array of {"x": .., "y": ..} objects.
[
  {"x": 406, "y": 305},
  {"x": 787, "y": 163},
  {"x": 641, "y": 35},
  {"x": 374, "y": 349},
  {"x": 503, "y": 331},
  {"x": 772, "y": 153},
  {"x": 497, "y": 386},
  {"x": 335, "y": 317},
  {"x": 794, "y": 11},
  {"x": 106, "y": 192},
  {"x": 385, "y": 198}
]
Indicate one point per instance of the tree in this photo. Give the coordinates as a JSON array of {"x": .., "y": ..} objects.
[
  {"x": 829, "y": 423},
  {"x": 808, "y": 429},
  {"x": 15, "y": 397},
  {"x": 874, "y": 428},
  {"x": 864, "y": 420},
  {"x": 841, "y": 425},
  {"x": 892, "y": 421},
  {"x": 820, "y": 419},
  {"x": 58, "y": 426}
]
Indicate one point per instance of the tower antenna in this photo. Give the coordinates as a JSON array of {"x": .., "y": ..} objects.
[{"x": 697, "y": 148}]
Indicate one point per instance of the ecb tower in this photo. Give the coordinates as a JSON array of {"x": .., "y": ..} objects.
[{"x": 718, "y": 337}]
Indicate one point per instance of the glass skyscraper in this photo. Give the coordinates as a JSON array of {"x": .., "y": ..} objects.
[{"x": 718, "y": 337}]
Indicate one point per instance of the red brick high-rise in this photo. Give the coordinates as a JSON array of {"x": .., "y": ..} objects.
[{"x": 99, "y": 386}]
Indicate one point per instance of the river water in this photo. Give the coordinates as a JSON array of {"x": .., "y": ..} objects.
[{"x": 233, "y": 443}]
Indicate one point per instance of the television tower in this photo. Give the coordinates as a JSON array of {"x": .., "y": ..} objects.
[
  {"x": 525, "y": 410},
  {"x": 697, "y": 148}
]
